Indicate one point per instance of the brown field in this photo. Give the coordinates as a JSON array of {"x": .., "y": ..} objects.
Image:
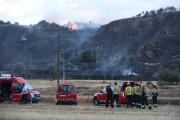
[{"x": 168, "y": 100}]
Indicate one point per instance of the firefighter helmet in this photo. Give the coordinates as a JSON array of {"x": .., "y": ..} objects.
[
  {"x": 154, "y": 85},
  {"x": 139, "y": 83},
  {"x": 128, "y": 83},
  {"x": 136, "y": 83}
]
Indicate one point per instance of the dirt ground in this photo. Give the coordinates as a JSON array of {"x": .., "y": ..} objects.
[{"x": 169, "y": 104}]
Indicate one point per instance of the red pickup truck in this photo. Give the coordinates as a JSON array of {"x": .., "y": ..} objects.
[{"x": 100, "y": 97}]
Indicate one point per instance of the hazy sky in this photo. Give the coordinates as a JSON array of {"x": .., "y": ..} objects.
[{"x": 61, "y": 11}]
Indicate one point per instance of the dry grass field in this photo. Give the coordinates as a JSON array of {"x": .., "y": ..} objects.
[{"x": 169, "y": 101}]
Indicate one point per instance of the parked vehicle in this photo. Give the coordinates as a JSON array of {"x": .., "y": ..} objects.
[
  {"x": 11, "y": 88},
  {"x": 100, "y": 97},
  {"x": 66, "y": 93}
]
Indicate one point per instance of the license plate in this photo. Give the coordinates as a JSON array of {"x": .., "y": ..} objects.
[{"x": 62, "y": 95}]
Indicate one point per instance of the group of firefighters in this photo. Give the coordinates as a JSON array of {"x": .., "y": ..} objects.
[{"x": 135, "y": 95}]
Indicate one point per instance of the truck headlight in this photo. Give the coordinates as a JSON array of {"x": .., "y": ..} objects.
[{"x": 32, "y": 95}]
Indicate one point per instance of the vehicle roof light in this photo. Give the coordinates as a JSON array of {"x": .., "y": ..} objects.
[{"x": 6, "y": 75}]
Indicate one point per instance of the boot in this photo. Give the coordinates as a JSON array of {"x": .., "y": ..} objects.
[
  {"x": 137, "y": 106},
  {"x": 150, "y": 107}
]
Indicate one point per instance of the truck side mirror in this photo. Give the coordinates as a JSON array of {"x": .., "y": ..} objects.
[{"x": 77, "y": 91}]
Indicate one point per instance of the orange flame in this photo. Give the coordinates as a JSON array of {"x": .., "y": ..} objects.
[{"x": 71, "y": 29}]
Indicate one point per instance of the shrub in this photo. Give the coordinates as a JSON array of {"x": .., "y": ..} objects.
[
  {"x": 168, "y": 76},
  {"x": 161, "y": 83},
  {"x": 148, "y": 83},
  {"x": 104, "y": 82}
]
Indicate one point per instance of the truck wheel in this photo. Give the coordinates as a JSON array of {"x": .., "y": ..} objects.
[
  {"x": 75, "y": 103},
  {"x": 96, "y": 102}
]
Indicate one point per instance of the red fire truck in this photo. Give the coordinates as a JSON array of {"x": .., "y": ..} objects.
[
  {"x": 11, "y": 88},
  {"x": 100, "y": 97}
]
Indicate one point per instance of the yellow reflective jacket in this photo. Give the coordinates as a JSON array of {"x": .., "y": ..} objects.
[
  {"x": 116, "y": 90},
  {"x": 154, "y": 92},
  {"x": 128, "y": 90},
  {"x": 136, "y": 90},
  {"x": 146, "y": 90}
]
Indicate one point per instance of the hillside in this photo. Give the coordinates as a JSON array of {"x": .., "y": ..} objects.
[
  {"x": 38, "y": 43},
  {"x": 153, "y": 42}
]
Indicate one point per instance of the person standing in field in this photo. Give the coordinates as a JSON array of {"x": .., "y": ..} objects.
[
  {"x": 116, "y": 94},
  {"x": 136, "y": 94},
  {"x": 139, "y": 95},
  {"x": 129, "y": 93},
  {"x": 145, "y": 94},
  {"x": 109, "y": 90},
  {"x": 24, "y": 93},
  {"x": 154, "y": 95}
]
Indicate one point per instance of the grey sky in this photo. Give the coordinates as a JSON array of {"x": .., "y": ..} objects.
[{"x": 61, "y": 11}]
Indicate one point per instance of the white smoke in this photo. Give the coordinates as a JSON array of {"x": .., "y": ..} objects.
[
  {"x": 128, "y": 72},
  {"x": 23, "y": 38}
]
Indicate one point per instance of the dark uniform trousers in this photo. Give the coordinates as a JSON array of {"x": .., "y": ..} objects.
[
  {"x": 116, "y": 97},
  {"x": 144, "y": 100},
  {"x": 129, "y": 100},
  {"x": 154, "y": 100},
  {"x": 109, "y": 97},
  {"x": 24, "y": 98},
  {"x": 135, "y": 99}
]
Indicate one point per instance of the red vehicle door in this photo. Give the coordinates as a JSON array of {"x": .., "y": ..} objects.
[
  {"x": 71, "y": 92},
  {"x": 16, "y": 92},
  {"x": 103, "y": 96}
]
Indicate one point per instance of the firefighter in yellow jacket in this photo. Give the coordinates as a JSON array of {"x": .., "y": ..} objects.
[
  {"x": 116, "y": 94},
  {"x": 154, "y": 95},
  {"x": 129, "y": 93},
  {"x": 145, "y": 94},
  {"x": 139, "y": 96},
  {"x": 136, "y": 94}
]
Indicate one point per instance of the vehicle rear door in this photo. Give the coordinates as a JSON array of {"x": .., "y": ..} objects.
[
  {"x": 16, "y": 92},
  {"x": 71, "y": 92}
]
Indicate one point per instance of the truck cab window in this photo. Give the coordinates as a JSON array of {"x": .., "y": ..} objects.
[{"x": 17, "y": 88}]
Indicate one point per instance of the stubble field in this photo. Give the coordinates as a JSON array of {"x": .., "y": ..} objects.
[{"x": 169, "y": 101}]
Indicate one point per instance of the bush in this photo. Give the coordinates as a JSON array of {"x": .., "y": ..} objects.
[
  {"x": 89, "y": 78},
  {"x": 161, "y": 83},
  {"x": 168, "y": 77},
  {"x": 51, "y": 79},
  {"x": 104, "y": 82},
  {"x": 148, "y": 83}
]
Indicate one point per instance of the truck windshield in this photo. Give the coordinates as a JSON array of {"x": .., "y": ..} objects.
[{"x": 29, "y": 87}]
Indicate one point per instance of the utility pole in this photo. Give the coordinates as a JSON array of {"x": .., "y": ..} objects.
[
  {"x": 58, "y": 62},
  {"x": 63, "y": 67},
  {"x": 124, "y": 64}
]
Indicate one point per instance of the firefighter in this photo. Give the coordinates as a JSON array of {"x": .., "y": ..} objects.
[
  {"x": 154, "y": 95},
  {"x": 136, "y": 95},
  {"x": 116, "y": 94},
  {"x": 109, "y": 90},
  {"x": 145, "y": 94},
  {"x": 128, "y": 93},
  {"x": 139, "y": 95}
]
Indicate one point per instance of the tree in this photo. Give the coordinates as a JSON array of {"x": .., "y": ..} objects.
[
  {"x": 40, "y": 63},
  {"x": 168, "y": 76},
  {"x": 146, "y": 13},
  {"x": 51, "y": 68},
  {"x": 20, "y": 67},
  {"x": 8, "y": 22},
  {"x": 131, "y": 60},
  {"x": 84, "y": 45},
  {"x": 16, "y": 23},
  {"x": 88, "y": 56},
  {"x": 69, "y": 66},
  {"x": 123, "y": 59}
]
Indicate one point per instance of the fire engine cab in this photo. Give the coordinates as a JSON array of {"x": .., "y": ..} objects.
[{"x": 11, "y": 88}]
